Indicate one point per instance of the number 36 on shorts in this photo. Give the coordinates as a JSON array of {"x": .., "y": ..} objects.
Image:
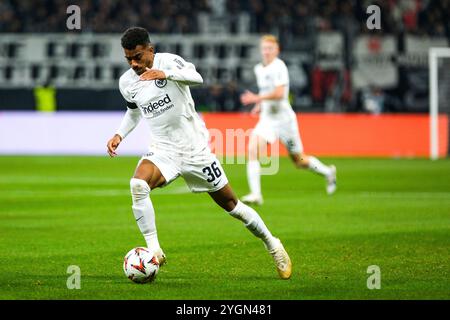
[{"x": 212, "y": 172}]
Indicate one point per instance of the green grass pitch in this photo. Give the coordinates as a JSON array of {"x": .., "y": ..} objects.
[{"x": 62, "y": 211}]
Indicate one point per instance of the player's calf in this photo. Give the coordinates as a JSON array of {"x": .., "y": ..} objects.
[
  {"x": 144, "y": 212},
  {"x": 256, "y": 225},
  {"x": 226, "y": 198}
]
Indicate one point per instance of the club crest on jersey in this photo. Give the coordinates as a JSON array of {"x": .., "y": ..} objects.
[{"x": 160, "y": 83}]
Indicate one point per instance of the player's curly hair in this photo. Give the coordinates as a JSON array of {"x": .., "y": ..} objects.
[{"x": 133, "y": 37}]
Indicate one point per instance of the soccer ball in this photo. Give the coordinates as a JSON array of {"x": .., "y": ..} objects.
[{"x": 140, "y": 265}]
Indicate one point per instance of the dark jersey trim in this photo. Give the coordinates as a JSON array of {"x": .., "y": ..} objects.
[{"x": 131, "y": 105}]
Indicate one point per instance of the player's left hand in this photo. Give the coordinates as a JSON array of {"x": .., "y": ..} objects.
[
  {"x": 153, "y": 74},
  {"x": 249, "y": 97}
]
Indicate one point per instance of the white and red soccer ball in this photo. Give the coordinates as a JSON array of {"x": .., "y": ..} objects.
[{"x": 140, "y": 265}]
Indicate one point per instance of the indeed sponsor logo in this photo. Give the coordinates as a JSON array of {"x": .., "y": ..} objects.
[{"x": 155, "y": 105}]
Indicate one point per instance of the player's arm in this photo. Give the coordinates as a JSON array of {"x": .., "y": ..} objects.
[
  {"x": 249, "y": 97},
  {"x": 175, "y": 69},
  {"x": 280, "y": 81},
  {"x": 129, "y": 122}
]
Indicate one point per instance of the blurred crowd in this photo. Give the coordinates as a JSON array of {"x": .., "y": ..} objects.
[
  {"x": 159, "y": 16},
  {"x": 295, "y": 22},
  {"x": 429, "y": 17},
  {"x": 286, "y": 17}
]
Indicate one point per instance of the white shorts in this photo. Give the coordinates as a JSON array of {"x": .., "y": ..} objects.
[
  {"x": 202, "y": 173},
  {"x": 286, "y": 131}
]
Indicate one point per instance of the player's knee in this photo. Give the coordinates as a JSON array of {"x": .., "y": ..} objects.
[
  {"x": 157, "y": 182},
  {"x": 301, "y": 161},
  {"x": 139, "y": 188},
  {"x": 302, "y": 164}
]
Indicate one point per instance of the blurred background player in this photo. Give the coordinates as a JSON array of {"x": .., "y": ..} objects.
[
  {"x": 156, "y": 88},
  {"x": 277, "y": 121}
]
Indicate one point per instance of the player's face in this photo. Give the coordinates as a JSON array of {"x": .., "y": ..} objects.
[
  {"x": 269, "y": 51},
  {"x": 140, "y": 58}
]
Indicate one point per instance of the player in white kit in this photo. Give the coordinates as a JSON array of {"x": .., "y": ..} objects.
[
  {"x": 277, "y": 121},
  {"x": 156, "y": 89}
]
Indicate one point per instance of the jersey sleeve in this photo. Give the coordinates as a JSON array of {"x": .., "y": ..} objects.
[
  {"x": 126, "y": 94},
  {"x": 129, "y": 122},
  {"x": 123, "y": 90},
  {"x": 177, "y": 69},
  {"x": 281, "y": 75}
]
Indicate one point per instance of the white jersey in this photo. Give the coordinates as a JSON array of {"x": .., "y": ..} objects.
[
  {"x": 167, "y": 106},
  {"x": 277, "y": 119},
  {"x": 268, "y": 78}
]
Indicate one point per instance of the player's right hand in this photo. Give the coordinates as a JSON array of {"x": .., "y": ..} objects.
[
  {"x": 249, "y": 97},
  {"x": 112, "y": 145},
  {"x": 256, "y": 109}
]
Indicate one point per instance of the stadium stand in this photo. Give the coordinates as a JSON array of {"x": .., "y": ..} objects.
[{"x": 328, "y": 48}]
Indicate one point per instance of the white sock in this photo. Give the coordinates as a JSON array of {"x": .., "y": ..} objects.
[
  {"x": 254, "y": 223},
  {"x": 144, "y": 212},
  {"x": 254, "y": 177},
  {"x": 318, "y": 167}
]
